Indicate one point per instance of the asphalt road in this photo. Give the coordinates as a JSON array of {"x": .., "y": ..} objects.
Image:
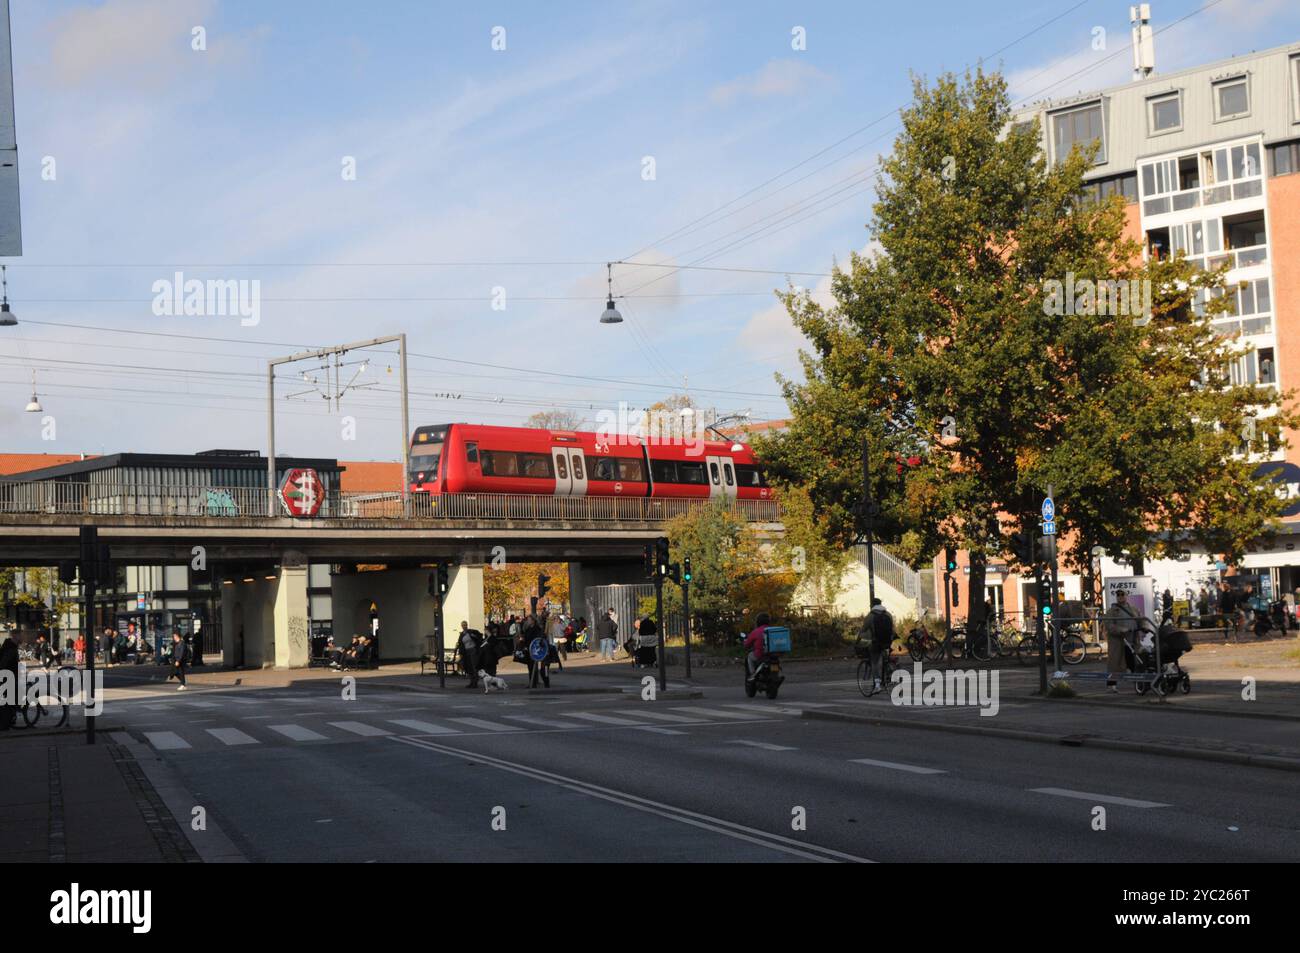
[{"x": 300, "y": 774}]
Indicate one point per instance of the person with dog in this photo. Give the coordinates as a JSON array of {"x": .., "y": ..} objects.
[{"x": 469, "y": 643}]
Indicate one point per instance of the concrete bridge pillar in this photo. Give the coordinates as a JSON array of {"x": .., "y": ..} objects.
[
  {"x": 264, "y": 620},
  {"x": 604, "y": 573}
]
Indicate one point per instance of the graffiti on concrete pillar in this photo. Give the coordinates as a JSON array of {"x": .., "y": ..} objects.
[{"x": 298, "y": 632}]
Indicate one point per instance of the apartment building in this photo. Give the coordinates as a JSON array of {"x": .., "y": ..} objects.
[{"x": 1208, "y": 161}]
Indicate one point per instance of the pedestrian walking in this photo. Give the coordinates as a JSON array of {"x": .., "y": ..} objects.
[
  {"x": 180, "y": 656},
  {"x": 538, "y": 668},
  {"x": 79, "y": 649},
  {"x": 1119, "y": 629},
  {"x": 469, "y": 642}
]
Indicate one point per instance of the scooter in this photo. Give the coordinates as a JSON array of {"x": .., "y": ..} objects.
[{"x": 766, "y": 675}]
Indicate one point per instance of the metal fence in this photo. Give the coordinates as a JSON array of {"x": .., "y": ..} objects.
[{"x": 51, "y": 497}]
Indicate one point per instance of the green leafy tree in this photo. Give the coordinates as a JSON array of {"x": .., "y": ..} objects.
[{"x": 946, "y": 343}]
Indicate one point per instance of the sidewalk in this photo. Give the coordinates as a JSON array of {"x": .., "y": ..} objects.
[{"x": 63, "y": 800}]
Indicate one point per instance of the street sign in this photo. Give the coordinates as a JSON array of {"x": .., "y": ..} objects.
[
  {"x": 301, "y": 492},
  {"x": 1049, "y": 511},
  {"x": 1049, "y": 528},
  {"x": 538, "y": 649}
]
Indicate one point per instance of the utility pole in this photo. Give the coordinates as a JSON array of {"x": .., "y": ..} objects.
[
  {"x": 661, "y": 570},
  {"x": 869, "y": 509},
  {"x": 686, "y": 609},
  {"x": 89, "y": 571},
  {"x": 438, "y": 589}
]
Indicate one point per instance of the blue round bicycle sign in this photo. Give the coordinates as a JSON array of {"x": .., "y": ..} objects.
[
  {"x": 537, "y": 649},
  {"x": 1049, "y": 510}
]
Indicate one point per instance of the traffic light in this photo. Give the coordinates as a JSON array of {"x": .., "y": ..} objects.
[
  {"x": 1022, "y": 544},
  {"x": 649, "y": 560},
  {"x": 675, "y": 573},
  {"x": 1045, "y": 596},
  {"x": 956, "y": 593},
  {"x": 661, "y": 557},
  {"x": 542, "y": 587},
  {"x": 686, "y": 569},
  {"x": 949, "y": 559},
  {"x": 442, "y": 580},
  {"x": 67, "y": 571}
]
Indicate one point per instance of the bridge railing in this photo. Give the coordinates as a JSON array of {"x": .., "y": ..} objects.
[{"x": 53, "y": 497}]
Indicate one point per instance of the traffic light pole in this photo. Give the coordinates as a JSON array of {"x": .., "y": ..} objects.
[
  {"x": 1038, "y": 629},
  {"x": 659, "y": 620},
  {"x": 89, "y": 572},
  {"x": 686, "y": 611},
  {"x": 437, "y": 629}
]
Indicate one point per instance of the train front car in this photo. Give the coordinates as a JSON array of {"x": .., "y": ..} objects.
[{"x": 426, "y": 459}]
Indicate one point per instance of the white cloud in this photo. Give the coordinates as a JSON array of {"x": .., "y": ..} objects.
[{"x": 778, "y": 78}]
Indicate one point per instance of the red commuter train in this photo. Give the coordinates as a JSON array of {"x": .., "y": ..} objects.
[{"x": 474, "y": 458}]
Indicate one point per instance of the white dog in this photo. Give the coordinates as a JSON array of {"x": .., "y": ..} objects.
[{"x": 492, "y": 683}]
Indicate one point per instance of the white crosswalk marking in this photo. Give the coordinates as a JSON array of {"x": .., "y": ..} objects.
[
  {"x": 894, "y": 765},
  {"x": 360, "y": 728},
  {"x": 165, "y": 740},
  {"x": 424, "y": 727},
  {"x": 297, "y": 732},
  {"x": 485, "y": 724},
  {"x": 719, "y": 713},
  {"x": 660, "y": 731},
  {"x": 763, "y": 744},
  {"x": 664, "y": 716},
  {"x": 545, "y": 722},
  {"x": 1102, "y": 798},
  {"x": 601, "y": 719},
  {"x": 769, "y": 708},
  {"x": 232, "y": 736}
]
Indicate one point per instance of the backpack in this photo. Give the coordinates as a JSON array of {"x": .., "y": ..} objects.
[{"x": 882, "y": 628}]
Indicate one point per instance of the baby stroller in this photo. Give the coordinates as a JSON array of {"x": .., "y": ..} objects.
[{"x": 1174, "y": 644}]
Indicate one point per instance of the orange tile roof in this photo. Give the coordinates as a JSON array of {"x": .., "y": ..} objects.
[
  {"x": 371, "y": 476},
  {"x": 24, "y": 462}
]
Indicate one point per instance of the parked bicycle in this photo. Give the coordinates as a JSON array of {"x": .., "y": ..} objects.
[
  {"x": 49, "y": 701},
  {"x": 1073, "y": 647},
  {"x": 921, "y": 643}
]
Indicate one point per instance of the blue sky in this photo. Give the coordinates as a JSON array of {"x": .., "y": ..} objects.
[{"x": 528, "y": 159}]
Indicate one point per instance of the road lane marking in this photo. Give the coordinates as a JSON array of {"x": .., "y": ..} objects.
[
  {"x": 1102, "y": 798},
  {"x": 894, "y": 765},
  {"x": 720, "y": 713},
  {"x": 766, "y": 746},
  {"x": 297, "y": 733},
  {"x": 190, "y": 704},
  {"x": 601, "y": 719},
  {"x": 232, "y": 736},
  {"x": 485, "y": 724},
  {"x": 681, "y": 815},
  {"x": 424, "y": 727},
  {"x": 360, "y": 728},
  {"x": 659, "y": 731},
  {"x": 767, "y": 708},
  {"x": 166, "y": 740}
]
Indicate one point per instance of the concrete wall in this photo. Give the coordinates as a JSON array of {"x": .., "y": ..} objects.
[
  {"x": 854, "y": 595},
  {"x": 605, "y": 573},
  {"x": 270, "y": 616}
]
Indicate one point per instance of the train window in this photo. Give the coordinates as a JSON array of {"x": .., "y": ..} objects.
[
  {"x": 726, "y": 469},
  {"x": 471, "y": 452},
  {"x": 604, "y": 468},
  {"x": 713, "y": 472},
  {"x": 631, "y": 469},
  {"x": 664, "y": 471},
  {"x": 561, "y": 467},
  {"x": 577, "y": 468},
  {"x": 749, "y": 476},
  {"x": 535, "y": 465},
  {"x": 692, "y": 473},
  {"x": 499, "y": 464}
]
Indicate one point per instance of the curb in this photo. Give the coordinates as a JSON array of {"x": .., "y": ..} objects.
[
  {"x": 1186, "y": 709},
  {"x": 434, "y": 690},
  {"x": 1073, "y": 741}
]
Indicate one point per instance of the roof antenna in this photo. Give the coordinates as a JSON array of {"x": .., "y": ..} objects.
[{"x": 1144, "y": 44}]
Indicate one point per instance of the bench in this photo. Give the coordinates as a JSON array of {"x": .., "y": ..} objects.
[{"x": 450, "y": 659}]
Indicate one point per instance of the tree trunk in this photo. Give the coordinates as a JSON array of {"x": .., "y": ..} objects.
[{"x": 1137, "y": 564}]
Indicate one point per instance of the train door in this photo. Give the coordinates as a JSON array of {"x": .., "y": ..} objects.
[
  {"x": 728, "y": 477},
  {"x": 563, "y": 478},
  {"x": 577, "y": 473},
  {"x": 714, "y": 467}
]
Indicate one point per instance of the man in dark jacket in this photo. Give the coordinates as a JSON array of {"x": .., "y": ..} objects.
[
  {"x": 468, "y": 643},
  {"x": 878, "y": 626},
  {"x": 9, "y": 674}
]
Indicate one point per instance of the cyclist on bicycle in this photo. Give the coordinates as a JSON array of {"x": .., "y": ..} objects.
[{"x": 879, "y": 627}]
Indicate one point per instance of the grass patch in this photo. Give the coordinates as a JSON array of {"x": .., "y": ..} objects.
[{"x": 1061, "y": 690}]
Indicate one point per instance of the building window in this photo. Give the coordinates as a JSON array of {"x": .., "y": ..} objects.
[
  {"x": 1080, "y": 126},
  {"x": 1284, "y": 158},
  {"x": 1165, "y": 113},
  {"x": 1267, "y": 373},
  {"x": 1231, "y": 98}
]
